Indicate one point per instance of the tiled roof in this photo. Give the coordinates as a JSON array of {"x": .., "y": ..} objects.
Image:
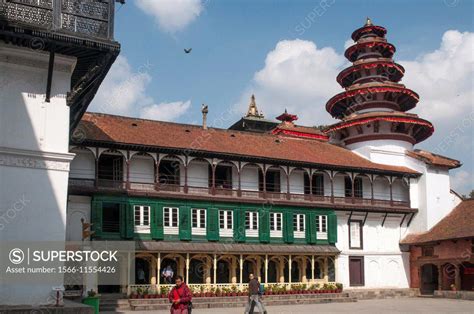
[
  {"x": 434, "y": 159},
  {"x": 102, "y": 128},
  {"x": 456, "y": 225},
  {"x": 290, "y": 129},
  {"x": 300, "y": 128},
  {"x": 392, "y": 116},
  {"x": 193, "y": 247}
]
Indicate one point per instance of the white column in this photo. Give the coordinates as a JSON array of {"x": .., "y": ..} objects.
[
  {"x": 158, "y": 263},
  {"x": 303, "y": 270},
  {"x": 241, "y": 269},
  {"x": 129, "y": 264},
  {"x": 233, "y": 272},
  {"x": 266, "y": 268},
  {"x": 258, "y": 270},
  {"x": 215, "y": 269},
  {"x": 326, "y": 277},
  {"x": 187, "y": 268},
  {"x": 312, "y": 268},
  {"x": 289, "y": 269}
]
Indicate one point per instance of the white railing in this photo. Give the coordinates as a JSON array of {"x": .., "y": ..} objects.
[{"x": 228, "y": 287}]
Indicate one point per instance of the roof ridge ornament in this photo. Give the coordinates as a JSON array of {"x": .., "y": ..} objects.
[
  {"x": 253, "y": 110},
  {"x": 368, "y": 22}
]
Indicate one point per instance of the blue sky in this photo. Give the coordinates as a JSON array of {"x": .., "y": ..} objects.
[{"x": 232, "y": 57}]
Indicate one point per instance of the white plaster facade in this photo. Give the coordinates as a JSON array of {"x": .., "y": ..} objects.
[
  {"x": 34, "y": 156},
  {"x": 385, "y": 265}
]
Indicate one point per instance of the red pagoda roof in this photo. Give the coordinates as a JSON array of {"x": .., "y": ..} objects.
[
  {"x": 116, "y": 131},
  {"x": 395, "y": 73},
  {"x": 367, "y": 29},
  {"x": 336, "y": 106},
  {"x": 299, "y": 131},
  {"x": 386, "y": 49},
  {"x": 285, "y": 116},
  {"x": 426, "y": 128}
]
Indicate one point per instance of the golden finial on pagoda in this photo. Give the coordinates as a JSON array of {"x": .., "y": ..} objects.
[
  {"x": 368, "y": 22},
  {"x": 253, "y": 111}
]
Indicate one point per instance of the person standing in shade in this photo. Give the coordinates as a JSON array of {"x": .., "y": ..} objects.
[
  {"x": 255, "y": 298},
  {"x": 141, "y": 276},
  {"x": 180, "y": 297},
  {"x": 168, "y": 274}
]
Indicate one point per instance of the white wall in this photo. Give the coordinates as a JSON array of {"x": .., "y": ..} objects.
[
  {"x": 339, "y": 185},
  {"x": 34, "y": 156},
  {"x": 198, "y": 173},
  {"x": 381, "y": 188},
  {"x": 83, "y": 165},
  {"x": 249, "y": 178},
  {"x": 430, "y": 193},
  {"x": 296, "y": 182},
  {"x": 142, "y": 169},
  {"x": 385, "y": 266},
  {"x": 78, "y": 207},
  {"x": 438, "y": 199}
]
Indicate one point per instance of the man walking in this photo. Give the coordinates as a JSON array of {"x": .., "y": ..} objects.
[
  {"x": 180, "y": 297},
  {"x": 254, "y": 297}
]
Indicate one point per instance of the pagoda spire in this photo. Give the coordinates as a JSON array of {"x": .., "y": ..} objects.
[
  {"x": 368, "y": 22},
  {"x": 374, "y": 105},
  {"x": 253, "y": 110}
]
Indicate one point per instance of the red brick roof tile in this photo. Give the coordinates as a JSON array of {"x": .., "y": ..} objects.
[
  {"x": 96, "y": 127},
  {"x": 434, "y": 159},
  {"x": 458, "y": 224}
]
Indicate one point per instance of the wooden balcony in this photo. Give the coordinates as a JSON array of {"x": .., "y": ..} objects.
[
  {"x": 90, "y": 186},
  {"x": 78, "y": 18}
]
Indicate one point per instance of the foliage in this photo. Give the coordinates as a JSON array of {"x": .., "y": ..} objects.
[{"x": 165, "y": 290}]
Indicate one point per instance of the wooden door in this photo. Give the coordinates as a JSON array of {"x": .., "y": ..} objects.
[{"x": 356, "y": 271}]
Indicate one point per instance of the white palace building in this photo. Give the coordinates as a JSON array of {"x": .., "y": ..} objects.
[{"x": 289, "y": 203}]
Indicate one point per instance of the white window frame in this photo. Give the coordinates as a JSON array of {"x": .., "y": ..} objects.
[
  {"x": 201, "y": 225},
  {"x": 322, "y": 228},
  {"x": 252, "y": 231},
  {"x": 141, "y": 227},
  {"x": 274, "y": 232},
  {"x": 168, "y": 226},
  {"x": 227, "y": 231},
  {"x": 355, "y": 243},
  {"x": 299, "y": 230}
]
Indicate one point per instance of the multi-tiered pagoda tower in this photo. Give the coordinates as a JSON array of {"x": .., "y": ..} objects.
[{"x": 373, "y": 108}]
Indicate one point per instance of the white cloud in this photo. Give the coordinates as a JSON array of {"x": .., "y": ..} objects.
[
  {"x": 461, "y": 182},
  {"x": 165, "y": 111},
  {"x": 348, "y": 43},
  {"x": 298, "y": 76},
  {"x": 444, "y": 79},
  {"x": 121, "y": 90},
  {"x": 124, "y": 92},
  {"x": 172, "y": 15}
]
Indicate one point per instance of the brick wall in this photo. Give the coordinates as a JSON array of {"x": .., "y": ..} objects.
[{"x": 456, "y": 251}]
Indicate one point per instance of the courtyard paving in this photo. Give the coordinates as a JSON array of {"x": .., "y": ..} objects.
[{"x": 403, "y": 305}]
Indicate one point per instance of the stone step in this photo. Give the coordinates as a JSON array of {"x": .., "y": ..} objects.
[
  {"x": 239, "y": 302},
  {"x": 244, "y": 298}
]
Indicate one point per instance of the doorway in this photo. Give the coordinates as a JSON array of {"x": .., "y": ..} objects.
[
  {"x": 356, "y": 271},
  {"x": 429, "y": 279}
]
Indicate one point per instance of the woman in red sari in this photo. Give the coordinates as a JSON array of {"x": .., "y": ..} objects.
[{"x": 180, "y": 297}]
